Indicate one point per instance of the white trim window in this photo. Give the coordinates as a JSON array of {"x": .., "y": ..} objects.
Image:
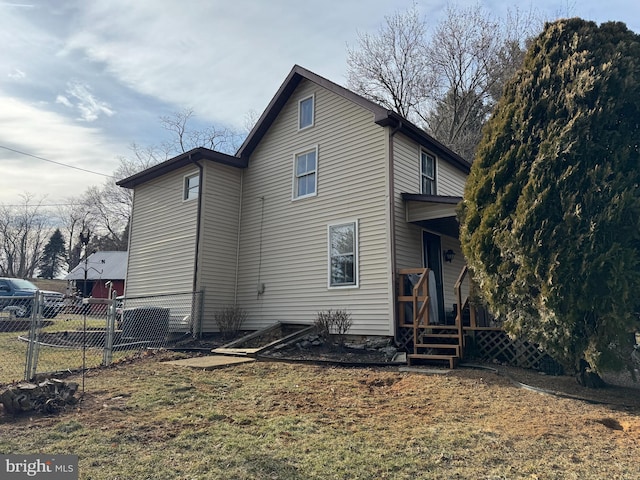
[
  {"x": 427, "y": 173},
  {"x": 343, "y": 254},
  {"x": 191, "y": 187},
  {"x": 305, "y": 173},
  {"x": 306, "y": 112}
]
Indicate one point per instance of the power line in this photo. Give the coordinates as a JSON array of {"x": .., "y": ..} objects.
[{"x": 57, "y": 163}]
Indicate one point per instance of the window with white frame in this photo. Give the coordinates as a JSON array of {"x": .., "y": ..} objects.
[
  {"x": 427, "y": 173},
  {"x": 191, "y": 186},
  {"x": 343, "y": 255},
  {"x": 305, "y": 112},
  {"x": 305, "y": 173}
]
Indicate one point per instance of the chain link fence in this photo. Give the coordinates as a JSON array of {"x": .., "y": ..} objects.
[{"x": 38, "y": 338}]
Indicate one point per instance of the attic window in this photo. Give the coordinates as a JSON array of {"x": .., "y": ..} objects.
[
  {"x": 305, "y": 112},
  {"x": 191, "y": 187}
]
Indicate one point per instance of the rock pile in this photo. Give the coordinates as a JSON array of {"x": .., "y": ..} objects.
[{"x": 49, "y": 396}]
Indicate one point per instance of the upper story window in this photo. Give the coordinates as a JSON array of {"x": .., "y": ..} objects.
[
  {"x": 305, "y": 174},
  {"x": 305, "y": 112},
  {"x": 343, "y": 255},
  {"x": 191, "y": 186},
  {"x": 427, "y": 173}
]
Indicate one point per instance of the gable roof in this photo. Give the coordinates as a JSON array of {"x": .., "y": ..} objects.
[
  {"x": 182, "y": 160},
  {"x": 382, "y": 117},
  {"x": 101, "y": 266}
]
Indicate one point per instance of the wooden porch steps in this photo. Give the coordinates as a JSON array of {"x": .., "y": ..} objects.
[
  {"x": 428, "y": 342},
  {"x": 452, "y": 359},
  {"x": 440, "y": 346}
]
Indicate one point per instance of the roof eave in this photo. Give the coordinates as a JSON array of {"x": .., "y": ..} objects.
[
  {"x": 393, "y": 119},
  {"x": 180, "y": 161}
]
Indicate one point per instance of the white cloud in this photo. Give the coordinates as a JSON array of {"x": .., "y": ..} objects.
[
  {"x": 34, "y": 130},
  {"x": 61, "y": 99},
  {"x": 222, "y": 58},
  {"x": 81, "y": 80},
  {"x": 89, "y": 106},
  {"x": 16, "y": 74}
]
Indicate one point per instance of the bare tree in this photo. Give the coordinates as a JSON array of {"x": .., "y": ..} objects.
[
  {"x": 447, "y": 81},
  {"x": 184, "y": 138},
  {"x": 23, "y": 231},
  {"x": 391, "y": 66},
  {"x": 74, "y": 218}
]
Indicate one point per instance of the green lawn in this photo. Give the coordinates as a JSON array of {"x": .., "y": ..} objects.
[{"x": 50, "y": 359}]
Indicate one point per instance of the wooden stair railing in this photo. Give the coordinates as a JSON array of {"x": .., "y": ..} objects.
[{"x": 431, "y": 341}]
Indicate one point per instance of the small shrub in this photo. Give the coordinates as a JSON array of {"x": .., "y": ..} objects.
[
  {"x": 229, "y": 320},
  {"x": 323, "y": 324},
  {"x": 337, "y": 322}
]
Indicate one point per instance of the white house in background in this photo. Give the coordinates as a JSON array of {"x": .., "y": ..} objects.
[{"x": 329, "y": 197}]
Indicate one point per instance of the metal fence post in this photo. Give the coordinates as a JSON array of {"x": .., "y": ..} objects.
[
  {"x": 198, "y": 306},
  {"x": 33, "y": 348},
  {"x": 107, "y": 355}
]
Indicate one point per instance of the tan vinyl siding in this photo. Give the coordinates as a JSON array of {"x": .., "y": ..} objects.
[
  {"x": 450, "y": 180},
  {"x": 219, "y": 239},
  {"x": 406, "y": 158},
  {"x": 163, "y": 232},
  {"x": 284, "y": 242}
]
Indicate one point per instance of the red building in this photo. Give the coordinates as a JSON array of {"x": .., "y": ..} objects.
[{"x": 91, "y": 278}]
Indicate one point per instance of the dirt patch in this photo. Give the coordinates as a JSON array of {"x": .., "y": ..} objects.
[
  {"x": 329, "y": 354},
  {"x": 561, "y": 385}
]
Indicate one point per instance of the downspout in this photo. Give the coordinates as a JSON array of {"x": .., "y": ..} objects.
[
  {"x": 198, "y": 223},
  {"x": 392, "y": 220},
  {"x": 235, "y": 288}
]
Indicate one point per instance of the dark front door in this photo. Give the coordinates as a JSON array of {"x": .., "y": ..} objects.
[{"x": 433, "y": 261}]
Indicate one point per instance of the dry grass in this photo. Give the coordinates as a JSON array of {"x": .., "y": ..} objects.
[{"x": 268, "y": 420}]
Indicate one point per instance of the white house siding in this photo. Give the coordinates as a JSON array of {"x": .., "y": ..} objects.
[
  {"x": 218, "y": 239},
  {"x": 162, "y": 232},
  {"x": 284, "y": 241}
]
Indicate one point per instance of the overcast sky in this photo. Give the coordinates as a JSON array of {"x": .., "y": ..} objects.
[{"x": 80, "y": 81}]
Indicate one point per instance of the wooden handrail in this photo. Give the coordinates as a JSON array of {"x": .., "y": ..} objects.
[
  {"x": 458, "y": 291},
  {"x": 419, "y": 314}
]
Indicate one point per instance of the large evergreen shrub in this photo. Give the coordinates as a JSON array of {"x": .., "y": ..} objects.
[{"x": 550, "y": 223}]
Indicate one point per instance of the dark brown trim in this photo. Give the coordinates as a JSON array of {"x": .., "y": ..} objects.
[
  {"x": 182, "y": 160},
  {"x": 419, "y": 197},
  {"x": 418, "y": 135}
]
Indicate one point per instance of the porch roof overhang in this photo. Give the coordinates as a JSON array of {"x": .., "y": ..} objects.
[{"x": 433, "y": 212}]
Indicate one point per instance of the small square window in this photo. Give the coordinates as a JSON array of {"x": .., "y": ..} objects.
[
  {"x": 191, "y": 187},
  {"x": 343, "y": 255},
  {"x": 427, "y": 173},
  {"x": 305, "y": 175},
  {"x": 305, "y": 113}
]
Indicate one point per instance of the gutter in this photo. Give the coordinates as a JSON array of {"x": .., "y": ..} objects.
[{"x": 235, "y": 288}]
